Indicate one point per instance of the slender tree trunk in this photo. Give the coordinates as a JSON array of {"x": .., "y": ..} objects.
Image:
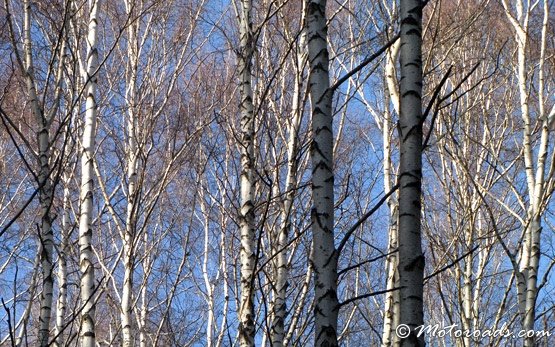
[
  {"x": 482, "y": 262},
  {"x": 24, "y": 321},
  {"x": 411, "y": 258},
  {"x": 539, "y": 194},
  {"x": 45, "y": 185},
  {"x": 247, "y": 253},
  {"x": 529, "y": 257},
  {"x": 47, "y": 238},
  {"x": 304, "y": 292},
  {"x": 392, "y": 300},
  {"x": 209, "y": 297},
  {"x": 392, "y": 297},
  {"x": 129, "y": 237},
  {"x": 532, "y": 278},
  {"x": 147, "y": 265},
  {"x": 223, "y": 267},
  {"x": 62, "y": 266},
  {"x": 86, "y": 255},
  {"x": 279, "y": 308},
  {"x": 467, "y": 314},
  {"x": 277, "y": 333},
  {"x": 324, "y": 255}
]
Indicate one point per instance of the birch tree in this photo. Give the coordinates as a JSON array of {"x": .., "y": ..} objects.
[
  {"x": 324, "y": 256},
  {"x": 43, "y": 114},
  {"x": 535, "y": 152},
  {"x": 86, "y": 254},
  {"x": 392, "y": 297},
  {"x": 465, "y": 161},
  {"x": 132, "y": 153},
  {"x": 246, "y": 215},
  {"x": 150, "y": 58},
  {"x": 411, "y": 258},
  {"x": 65, "y": 248},
  {"x": 276, "y": 238},
  {"x": 282, "y": 54},
  {"x": 291, "y": 185}
]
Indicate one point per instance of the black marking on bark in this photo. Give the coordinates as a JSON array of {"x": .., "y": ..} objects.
[
  {"x": 409, "y": 21},
  {"x": 417, "y": 10},
  {"x": 416, "y": 263},
  {"x": 416, "y": 128},
  {"x": 319, "y": 130},
  {"x": 411, "y": 92},
  {"x": 412, "y": 185},
  {"x": 414, "y": 32}
]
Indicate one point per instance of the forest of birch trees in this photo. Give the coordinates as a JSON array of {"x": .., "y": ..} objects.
[{"x": 277, "y": 172}]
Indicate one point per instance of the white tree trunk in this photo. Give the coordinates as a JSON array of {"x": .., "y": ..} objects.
[
  {"x": 45, "y": 184},
  {"x": 467, "y": 297},
  {"x": 223, "y": 268},
  {"x": 24, "y": 321},
  {"x": 279, "y": 309},
  {"x": 392, "y": 298},
  {"x": 129, "y": 237},
  {"x": 47, "y": 238},
  {"x": 86, "y": 254},
  {"x": 247, "y": 253},
  {"x": 147, "y": 265},
  {"x": 131, "y": 162},
  {"x": 43, "y": 121},
  {"x": 209, "y": 296},
  {"x": 324, "y": 255},
  {"x": 411, "y": 258},
  {"x": 539, "y": 195},
  {"x": 62, "y": 266},
  {"x": 529, "y": 256}
]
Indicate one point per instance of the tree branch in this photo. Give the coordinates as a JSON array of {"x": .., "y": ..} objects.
[
  {"x": 365, "y": 217},
  {"x": 365, "y": 62}
]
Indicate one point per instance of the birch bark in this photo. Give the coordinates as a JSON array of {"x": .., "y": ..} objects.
[
  {"x": 131, "y": 161},
  {"x": 86, "y": 254},
  {"x": 535, "y": 167},
  {"x": 324, "y": 255},
  {"x": 45, "y": 186},
  {"x": 411, "y": 258},
  {"x": 43, "y": 120},
  {"x": 392, "y": 299},
  {"x": 247, "y": 186},
  {"x": 62, "y": 265},
  {"x": 277, "y": 333}
]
